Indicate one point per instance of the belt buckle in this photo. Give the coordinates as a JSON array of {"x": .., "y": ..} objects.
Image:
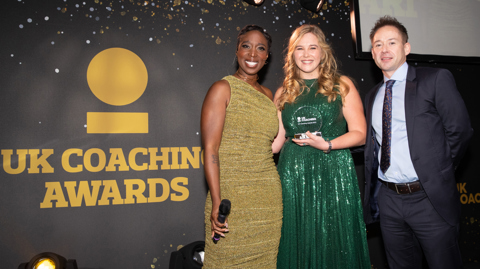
[
  {"x": 402, "y": 184},
  {"x": 396, "y": 188}
]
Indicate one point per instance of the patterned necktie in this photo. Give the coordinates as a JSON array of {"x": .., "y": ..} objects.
[{"x": 386, "y": 127}]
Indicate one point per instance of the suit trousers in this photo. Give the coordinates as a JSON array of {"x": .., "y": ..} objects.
[{"x": 410, "y": 225}]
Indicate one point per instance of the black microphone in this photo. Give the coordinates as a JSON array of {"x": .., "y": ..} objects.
[{"x": 223, "y": 211}]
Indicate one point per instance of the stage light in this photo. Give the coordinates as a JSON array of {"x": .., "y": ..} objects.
[
  {"x": 254, "y": 2},
  {"x": 312, "y": 5},
  {"x": 49, "y": 260},
  {"x": 188, "y": 257}
]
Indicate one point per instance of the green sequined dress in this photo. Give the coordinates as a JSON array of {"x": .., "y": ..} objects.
[
  {"x": 249, "y": 179},
  {"x": 322, "y": 223}
]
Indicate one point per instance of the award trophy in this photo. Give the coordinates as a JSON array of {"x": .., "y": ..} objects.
[{"x": 306, "y": 119}]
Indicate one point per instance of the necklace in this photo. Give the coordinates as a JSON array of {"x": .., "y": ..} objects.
[
  {"x": 247, "y": 79},
  {"x": 311, "y": 85}
]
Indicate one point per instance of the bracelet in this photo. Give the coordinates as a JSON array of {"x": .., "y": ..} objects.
[{"x": 329, "y": 147}]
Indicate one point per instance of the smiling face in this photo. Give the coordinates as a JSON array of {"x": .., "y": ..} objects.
[
  {"x": 389, "y": 50},
  {"x": 252, "y": 52},
  {"x": 308, "y": 55}
]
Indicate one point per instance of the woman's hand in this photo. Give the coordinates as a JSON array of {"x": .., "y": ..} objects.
[
  {"x": 317, "y": 142},
  {"x": 217, "y": 227}
]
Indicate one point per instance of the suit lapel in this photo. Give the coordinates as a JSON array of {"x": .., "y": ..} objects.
[{"x": 410, "y": 95}]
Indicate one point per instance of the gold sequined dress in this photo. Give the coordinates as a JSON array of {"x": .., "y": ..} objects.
[{"x": 249, "y": 179}]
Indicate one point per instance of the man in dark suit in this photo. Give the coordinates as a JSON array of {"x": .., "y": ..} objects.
[{"x": 418, "y": 129}]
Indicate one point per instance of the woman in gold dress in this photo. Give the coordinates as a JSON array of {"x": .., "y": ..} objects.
[{"x": 238, "y": 125}]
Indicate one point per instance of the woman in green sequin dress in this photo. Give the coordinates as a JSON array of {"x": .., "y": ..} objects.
[
  {"x": 239, "y": 122},
  {"x": 322, "y": 216}
]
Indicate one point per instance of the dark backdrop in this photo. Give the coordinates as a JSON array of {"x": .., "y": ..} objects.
[{"x": 126, "y": 199}]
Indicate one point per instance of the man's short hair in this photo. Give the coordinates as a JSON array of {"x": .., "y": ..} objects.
[{"x": 389, "y": 21}]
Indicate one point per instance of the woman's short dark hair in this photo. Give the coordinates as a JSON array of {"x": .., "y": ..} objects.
[{"x": 253, "y": 27}]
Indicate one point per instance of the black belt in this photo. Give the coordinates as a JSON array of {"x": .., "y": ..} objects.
[{"x": 403, "y": 188}]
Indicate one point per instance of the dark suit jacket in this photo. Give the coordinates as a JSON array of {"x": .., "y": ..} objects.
[{"x": 438, "y": 130}]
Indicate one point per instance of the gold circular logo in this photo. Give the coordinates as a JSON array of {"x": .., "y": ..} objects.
[{"x": 117, "y": 76}]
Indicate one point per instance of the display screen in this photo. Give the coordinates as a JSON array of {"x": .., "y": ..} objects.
[{"x": 438, "y": 30}]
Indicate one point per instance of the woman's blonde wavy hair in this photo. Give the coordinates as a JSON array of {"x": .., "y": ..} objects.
[{"x": 329, "y": 76}]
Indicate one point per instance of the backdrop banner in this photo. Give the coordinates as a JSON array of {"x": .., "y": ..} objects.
[{"x": 101, "y": 157}]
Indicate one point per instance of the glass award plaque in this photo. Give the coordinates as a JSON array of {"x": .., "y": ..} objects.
[{"x": 305, "y": 119}]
